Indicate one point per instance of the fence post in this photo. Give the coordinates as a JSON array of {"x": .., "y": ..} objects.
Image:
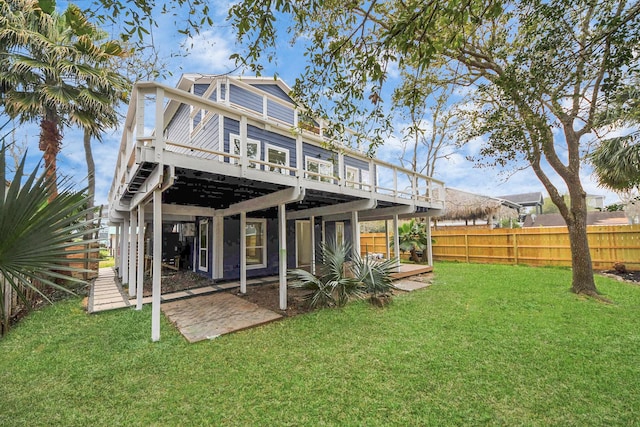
[
  {"x": 466, "y": 245},
  {"x": 515, "y": 246}
]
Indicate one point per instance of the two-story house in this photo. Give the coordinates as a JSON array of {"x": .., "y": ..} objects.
[{"x": 233, "y": 180}]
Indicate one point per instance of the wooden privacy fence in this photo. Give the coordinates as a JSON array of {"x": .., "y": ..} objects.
[
  {"x": 538, "y": 246},
  {"x": 548, "y": 246}
]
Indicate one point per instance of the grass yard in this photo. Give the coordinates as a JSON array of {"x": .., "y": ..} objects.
[{"x": 485, "y": 345}]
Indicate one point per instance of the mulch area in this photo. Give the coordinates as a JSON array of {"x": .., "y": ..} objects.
[
  {"x": 626, "y": 276},
  {"x": 266, "y": 296}
]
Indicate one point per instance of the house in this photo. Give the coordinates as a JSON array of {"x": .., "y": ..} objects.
[
  {"x": 230, "y": 178},
  {"x": 534, "y": 201}
]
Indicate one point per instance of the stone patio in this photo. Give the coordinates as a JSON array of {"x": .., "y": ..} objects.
[{"x": 209, "y": 316}]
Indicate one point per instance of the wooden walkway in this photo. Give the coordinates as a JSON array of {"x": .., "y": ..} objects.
[{"x": 106, "y": 292}]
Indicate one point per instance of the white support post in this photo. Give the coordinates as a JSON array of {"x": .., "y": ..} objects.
[
  {"x": 429, "y": 245},
  {"x": 386, "y": 238},
  {"x": 140, "y": 280},
  {"x": 243, "y": 252},
  {"x": 117, "y": 250},
  {"x": 157, "y": 264},
  {"x": 396, "y": 242},
  {"x": 312, "y": 221},
  {"x": 282, "y": 240},
  {"x": 300, "y": 166},
  {"x": 133, "y": 241},
  {"x": 355, "y": 234},
  {"x": 124, "y": 245},
  {"x": 341, "y": 172}
]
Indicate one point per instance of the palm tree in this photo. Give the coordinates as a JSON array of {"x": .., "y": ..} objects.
[
  {"x": 36, "y": 234},
  {"x": 96, "y": 109},
  {"x": 413, "y": 238},
  {"x": 617, "y": 162},
  {"x": 53, "y": 72}
]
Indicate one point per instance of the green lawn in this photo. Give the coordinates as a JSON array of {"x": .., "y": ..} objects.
[{"x": 494, "y": 345}]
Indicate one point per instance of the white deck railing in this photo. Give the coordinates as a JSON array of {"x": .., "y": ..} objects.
[{"x": 140, "y": 131}]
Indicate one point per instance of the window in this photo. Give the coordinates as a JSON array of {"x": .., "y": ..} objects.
[
  {"x": 256, "y": 242},
  {"x": 277, "y": 156},
  {"x": 352, "y": 177},
  {"x": 203, "y": 250},
  {"x": 340, "y": 233},
  {"x": 253, "y": 149},
  {"x": 321, "y": 167}
]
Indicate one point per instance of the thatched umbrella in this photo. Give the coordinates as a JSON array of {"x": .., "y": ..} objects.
[{"x": 462, "y": 205}]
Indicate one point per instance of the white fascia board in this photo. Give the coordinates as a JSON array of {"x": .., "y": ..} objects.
[
  {"x": 357, "y": 205},
  {"x": 376, "y": 214},
  {"x": 290, "y": 195}
]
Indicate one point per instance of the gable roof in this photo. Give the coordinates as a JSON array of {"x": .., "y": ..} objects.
[
  {"x": 593, "y": 218},
  {"x": 525, "y": 199}
]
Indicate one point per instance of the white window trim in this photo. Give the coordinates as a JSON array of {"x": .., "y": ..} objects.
[
  {"x": 309, "y": 159},
  {"x": 263, "y": 246},
  {"x": 232, "y": 146},
  {"x": 357, "y": 180},
  {"x": 204, "y": 223},
  {"x": 276, "y": 148}
]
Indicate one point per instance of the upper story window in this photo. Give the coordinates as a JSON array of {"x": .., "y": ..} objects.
[
  {"x": 252, "y": 152},
  {"x": 277, "y": 156},
  {"x": 320, "y": 170}
]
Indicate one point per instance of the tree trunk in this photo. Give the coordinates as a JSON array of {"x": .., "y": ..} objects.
[
  {"x": 581, "y": 265},
  {"x": 91, "y": 174},
  {"x": 50, "y": 141},
  {"x": 414, "y": 256}
]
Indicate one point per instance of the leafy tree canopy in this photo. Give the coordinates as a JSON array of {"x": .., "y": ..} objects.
[{"x": 540, "y": 75}]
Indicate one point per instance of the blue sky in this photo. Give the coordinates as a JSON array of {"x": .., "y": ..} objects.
[{"x": 210, "y": 55}]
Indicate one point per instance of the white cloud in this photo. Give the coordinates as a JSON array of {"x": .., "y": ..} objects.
[{"x": 208, "y": 53}]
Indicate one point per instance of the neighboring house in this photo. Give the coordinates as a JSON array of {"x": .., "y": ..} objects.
[
  {"x": 238, "y": 182},
  {"x": 593, "y": 218},
  {"x": 463, "y": 208},
  {"x": 532, "y": 201}
]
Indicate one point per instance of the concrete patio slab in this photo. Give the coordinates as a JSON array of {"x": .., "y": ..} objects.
[
  {"x": 410, "y": 285},
  {"x": 209, "y": 316}
]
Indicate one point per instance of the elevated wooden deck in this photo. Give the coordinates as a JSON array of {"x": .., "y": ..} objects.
[{"x": 407, "y": 270}]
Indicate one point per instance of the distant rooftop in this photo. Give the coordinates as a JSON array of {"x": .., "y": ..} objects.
[{"x": 593, "y": 218}]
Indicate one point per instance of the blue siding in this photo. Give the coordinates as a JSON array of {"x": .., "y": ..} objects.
[
  {"x": 273, "y": 90},
  {"x": 230, "y": 126},
  {"x": 280, "y": 112},
  {"x": 200, "y": 89},
  {"x": 206, "y": 137},
  {"x": 266, "y": 137},
  {"x": 356, "y": 163},
  {"x": 245, "y": 98},
  {"x": 178, "y": 128}
]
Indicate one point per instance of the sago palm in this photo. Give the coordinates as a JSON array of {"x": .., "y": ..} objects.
[
  {"x": 335, "y": 283},
  {"x": 37, "y": 234}
]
